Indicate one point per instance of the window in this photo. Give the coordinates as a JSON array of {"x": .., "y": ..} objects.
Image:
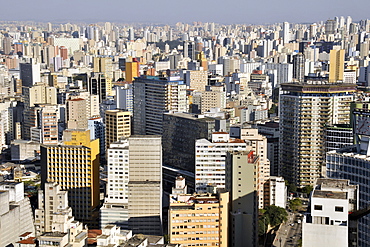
[
  {"x": 338, "y": 209},
  {"x": 318, "y": 207}
]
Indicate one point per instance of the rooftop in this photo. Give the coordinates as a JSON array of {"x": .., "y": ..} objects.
[{"x": 330, "y": 194}]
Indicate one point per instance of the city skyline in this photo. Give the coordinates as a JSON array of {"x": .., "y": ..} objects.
[{"x": 162, "y": 12}]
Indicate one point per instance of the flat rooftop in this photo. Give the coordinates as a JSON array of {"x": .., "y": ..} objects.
[{"x": 329, "y": 194}]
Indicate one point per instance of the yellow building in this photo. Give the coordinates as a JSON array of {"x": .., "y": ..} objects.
[
  {"x": 75, "y": 167},
  {"x": 199, "y": 220},
  {"x": 132, "y": 71},
  {"x": 336, "y": 68}
]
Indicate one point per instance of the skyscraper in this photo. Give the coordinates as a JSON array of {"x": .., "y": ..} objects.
[
  {"x": 145, "y": 185},
  {"x": 298, "y": 67},
  {"x": 304, "y": 110},
  {"x": 286, "y": 32},
  {"x": 336, "y": 69},
  {"x": 154, "y": 96},
  {"x": 75, "y": 167}
]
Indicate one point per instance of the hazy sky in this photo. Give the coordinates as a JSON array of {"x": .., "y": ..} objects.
[{"x": 166, "y": 11}]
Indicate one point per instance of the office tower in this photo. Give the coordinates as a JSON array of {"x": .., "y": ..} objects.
[
  {"x": 29, "y": 73},
  {"x": 352, "y": 162},
  {"x": 210, "y": 160},
  {"x": 180, "y": 131},
  {"x": 336, "y": 68},
  {"x": 196, "y": 79},
  {"x": 132, "y": 71},
  {"x": 242, "y": 184},
  {"x": 298, "y": 67},
  {"x": 117, "y": 125},
  {"x": 97, "y": 131},
  {"x": 338, "y": 136},
  {"x": 15, "y": 213},
  {"x": 272, "y": 133},
  {"x": 213, "y": 97},
  {"x": 154, "y": 96},
  {"x": 115, "y": 207},
  {"x": 98, "y": 85},
  {"x": 286, "y": 32},
  {"x": 74, "y": 165},
  {"x": 332, "y": 202},
  {"x": 207, "y": 213},
  {"x": 145, "y": 185},
  {"x": 76, "y": 115},
  {"x": 304, "y": 111}
]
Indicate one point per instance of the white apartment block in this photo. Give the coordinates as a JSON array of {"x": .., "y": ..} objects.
[
  {"x": 210, "y": 160},
  {"x": 114, "y": 209}
]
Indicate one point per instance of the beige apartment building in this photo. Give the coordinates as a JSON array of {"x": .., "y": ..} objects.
[{"x": 199, "y": 220}]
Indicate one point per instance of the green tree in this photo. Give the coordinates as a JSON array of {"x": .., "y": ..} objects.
[
  {"x": 295, "y": 204},
  {"x": 276, "y": 215},
  {"x": 307, "y": 189},
  {"x": 263, "y": 224}
]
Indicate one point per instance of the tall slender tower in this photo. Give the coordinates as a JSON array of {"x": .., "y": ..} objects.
[
  {"x": 336, "y": 69},
  {"x": 145, "y": 185}
]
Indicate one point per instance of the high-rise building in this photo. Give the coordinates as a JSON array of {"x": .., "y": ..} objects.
[
  {"x": 298, "y": 67},
  {"x": 132, "y": 71},
  {"x": 30, "y": 74},
  {"x": 272, "y": 133},
  {"x": 304, "y": 110},
  {"x": 329, "y": 222},
  {"x": 196, "y": 79},
  {"x": 15, "y": 213},
  {"x": 145, "y": 185},
  {"x": 154, "y": 96},
  {"x": 75, "y": 167},
  {"x": 76, "y": 115},
  {"x": 97, "y": 131},
  {"x": 98, "y": 85},
  {"x": 213, "y": 97},
  {"x": 242, "y": 184},
  {"x": 336, "y": 69},
  {"x": 286, "y": 32},
  {"x": 208, "y": 214},
  {"x": 117, "y": 125},
  {"x": 210, "y": 160},
  {"x": 352, "y": 163},
  {"x": 180, "y": 131},
  {"x": 338, "y": 136},
  {"x": 52, "y": 207},
  {"x": 115, "y": 207}
]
